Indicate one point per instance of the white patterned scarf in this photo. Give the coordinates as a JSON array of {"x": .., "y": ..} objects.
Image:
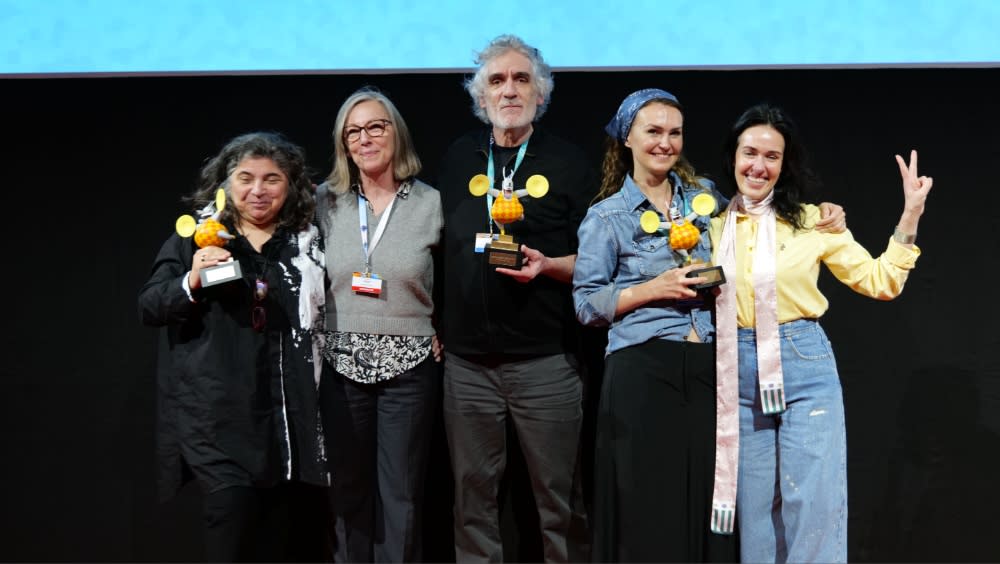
[{"x": 727, "y": 348}]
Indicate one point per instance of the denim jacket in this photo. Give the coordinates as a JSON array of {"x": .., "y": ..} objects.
[{"x": 615, "y": 253}]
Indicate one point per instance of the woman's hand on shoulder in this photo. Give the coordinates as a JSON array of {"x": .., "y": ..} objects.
[{"x": 832, "y": 218}]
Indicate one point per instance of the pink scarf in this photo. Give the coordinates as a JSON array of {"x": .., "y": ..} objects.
[{"x": 727, "y": 427}]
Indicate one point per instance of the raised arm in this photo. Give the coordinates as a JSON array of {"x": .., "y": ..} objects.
[
  {"x": 915, "y": 190},
  {"x": 883, "y": 277}
]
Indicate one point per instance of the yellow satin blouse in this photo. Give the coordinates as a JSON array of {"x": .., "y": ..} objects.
[{"x": 799, "y": 256}]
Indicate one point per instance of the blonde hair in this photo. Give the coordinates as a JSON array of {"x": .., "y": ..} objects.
[{"x": 405, "y": 162}]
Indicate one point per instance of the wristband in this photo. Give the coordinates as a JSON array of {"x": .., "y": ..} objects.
[{"x": 903, "y": 238}]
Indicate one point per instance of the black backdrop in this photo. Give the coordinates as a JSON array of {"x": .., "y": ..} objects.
[{"x": 94, "y": 167}]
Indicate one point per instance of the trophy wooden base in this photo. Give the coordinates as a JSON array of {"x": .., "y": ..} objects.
[
  {"x": 504, "y": 252},
  {"x": 714, "y": 274}
]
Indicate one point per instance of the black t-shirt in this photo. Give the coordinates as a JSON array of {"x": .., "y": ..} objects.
[{"x": 488, "y": 313}]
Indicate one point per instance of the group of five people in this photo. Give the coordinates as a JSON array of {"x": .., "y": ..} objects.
[{"x": 318, "y": 365}]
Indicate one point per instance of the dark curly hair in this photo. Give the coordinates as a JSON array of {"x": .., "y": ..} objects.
[
  {"x": 797, "y": 179},
  {"x": 299, "y": 207}
]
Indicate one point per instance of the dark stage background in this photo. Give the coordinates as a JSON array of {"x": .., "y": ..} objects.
[{"x": 94, "y": 169}]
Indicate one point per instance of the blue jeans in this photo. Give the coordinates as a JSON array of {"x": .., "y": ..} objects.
[{"x": 792, "y": 495}]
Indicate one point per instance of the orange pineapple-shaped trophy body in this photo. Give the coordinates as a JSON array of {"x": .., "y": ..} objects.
[
  {"x": 210, "y": 233},
  {"x": 506, "y": 210},
  {"x": 684, "y": 235},
  {"x": 507, "y": 207},
  {"x": 207, "y": 231}
]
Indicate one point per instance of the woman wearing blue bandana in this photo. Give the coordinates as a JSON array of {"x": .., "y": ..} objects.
[
  {"x": 655, "y": 442},
  {"x": 656, "y": 428}
]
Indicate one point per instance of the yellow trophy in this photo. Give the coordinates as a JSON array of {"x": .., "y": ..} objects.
[
  {"x": 503, "y": 250},
  {"x": 208, "y": 231},
  {"x": 683, "y": 236}
]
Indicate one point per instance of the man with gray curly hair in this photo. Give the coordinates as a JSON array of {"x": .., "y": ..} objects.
[{"x": 510, "y": 335}]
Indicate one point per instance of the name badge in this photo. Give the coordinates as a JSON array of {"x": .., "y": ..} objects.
[
  {"x": 482, "y": 239},
  {"x": 371, "y": 285}
]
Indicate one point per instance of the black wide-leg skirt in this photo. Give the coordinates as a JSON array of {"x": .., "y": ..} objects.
[{"x": 655, "y": 457}]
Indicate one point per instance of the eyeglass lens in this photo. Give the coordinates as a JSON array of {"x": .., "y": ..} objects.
[{"x": 373, "y": 129}]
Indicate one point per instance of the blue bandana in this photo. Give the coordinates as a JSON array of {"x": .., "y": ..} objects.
[{"x": 620, "y": 125}]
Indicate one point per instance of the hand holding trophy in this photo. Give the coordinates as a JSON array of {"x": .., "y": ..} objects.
[
  {"x": 683, "y": 236},
  {"x": 502, "y": 250},
  {"x": 209, "y": 232}
]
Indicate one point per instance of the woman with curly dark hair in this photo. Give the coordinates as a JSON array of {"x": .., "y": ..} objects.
[{"x": 239, "y": 363}]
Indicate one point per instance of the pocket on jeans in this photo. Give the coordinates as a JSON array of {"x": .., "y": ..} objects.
[{"x": 809, "y": 345}]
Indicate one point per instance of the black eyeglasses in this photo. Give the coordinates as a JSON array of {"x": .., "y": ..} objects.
[
  {"x": 258, "y": 315},
  {"x": 374, "y": 128}
]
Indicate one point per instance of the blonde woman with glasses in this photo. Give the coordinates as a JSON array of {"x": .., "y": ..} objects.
[{"x": 380, "y": 384}]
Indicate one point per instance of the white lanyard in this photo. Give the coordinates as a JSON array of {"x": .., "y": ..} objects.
[{"x": 363, "y": 220}]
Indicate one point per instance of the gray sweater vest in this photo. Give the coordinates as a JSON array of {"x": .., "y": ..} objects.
[{"x": 402, "y": 259}]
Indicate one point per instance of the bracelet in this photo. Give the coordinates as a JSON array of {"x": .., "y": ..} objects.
[{"x": 903, "y": 238}]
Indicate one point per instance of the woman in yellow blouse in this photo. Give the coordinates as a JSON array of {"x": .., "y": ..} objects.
[{"x": 791, "y": 499}]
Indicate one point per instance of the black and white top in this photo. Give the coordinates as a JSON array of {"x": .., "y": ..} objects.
[
  {"x": 371, "y": 339},
  {"x": 240, "y": 407},
  {"x": 370, "y": 359}
]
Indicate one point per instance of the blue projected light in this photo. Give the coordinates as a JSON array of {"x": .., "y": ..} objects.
[{"x": 43, "y": 37}]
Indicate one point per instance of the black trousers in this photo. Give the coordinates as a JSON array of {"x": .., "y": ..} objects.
[
  {"x": 654, "y": 457},
  {"x": 379, "y": 437},
  {"x": 284, "y": 523}
]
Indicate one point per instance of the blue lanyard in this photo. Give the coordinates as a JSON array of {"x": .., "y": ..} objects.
[
  {"x": 490, "y": 171},
  {"x": 363, "y": 221},
  {"x": 685, "y": 206}
]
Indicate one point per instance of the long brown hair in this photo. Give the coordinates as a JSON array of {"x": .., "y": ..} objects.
[{"x": 618, "y": 163}]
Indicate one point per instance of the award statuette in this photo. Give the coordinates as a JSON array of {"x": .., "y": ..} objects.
[
  {"x": 684, "y": 236},
  {"x": 503, "y": 250},
  {"x": 208, "y": 231}
]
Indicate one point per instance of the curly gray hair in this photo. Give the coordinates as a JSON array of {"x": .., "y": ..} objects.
[{"x": 541, "y": 72}]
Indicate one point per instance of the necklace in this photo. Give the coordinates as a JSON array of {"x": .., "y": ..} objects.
[{"x": 258, "y": 310}]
